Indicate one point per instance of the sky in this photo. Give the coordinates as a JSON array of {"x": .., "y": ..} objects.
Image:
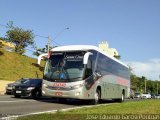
[{"x": 130, "y": 26}]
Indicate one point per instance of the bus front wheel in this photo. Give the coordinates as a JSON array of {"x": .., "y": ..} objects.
[{"x": 96, "y": 97}]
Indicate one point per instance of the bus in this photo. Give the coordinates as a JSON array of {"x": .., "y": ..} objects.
[{"x": 84, "y": 72}]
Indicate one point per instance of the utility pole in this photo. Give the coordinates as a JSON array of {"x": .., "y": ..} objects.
[
  {"x": 49, "y": 40},
  {"x": 157, "y": 85},
  {"x": 145, "y": 85}
]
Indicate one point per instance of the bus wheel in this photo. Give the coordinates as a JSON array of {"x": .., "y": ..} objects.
[
  {"x": 122, "y": 97},
  {"x": 96, "y": 97}
]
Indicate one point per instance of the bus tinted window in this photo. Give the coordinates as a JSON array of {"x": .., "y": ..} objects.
[{"x": 106, "y": 66}]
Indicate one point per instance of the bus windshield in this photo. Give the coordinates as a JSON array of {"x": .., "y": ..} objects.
[{"x": 64, "y": 67}]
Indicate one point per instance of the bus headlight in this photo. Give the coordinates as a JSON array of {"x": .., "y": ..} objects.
[
  {"x": 44, "y": 85},
  {"x": 77, "y": 86},
  {"x": 77, "y": 93}
]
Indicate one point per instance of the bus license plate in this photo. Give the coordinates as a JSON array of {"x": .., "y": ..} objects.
[{"x": 58, "y": 93}]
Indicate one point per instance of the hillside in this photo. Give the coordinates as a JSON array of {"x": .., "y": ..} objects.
[{"x": 14, "y": 66}]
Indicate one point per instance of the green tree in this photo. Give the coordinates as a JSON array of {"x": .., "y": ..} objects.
[
  {"x": 1, "y": 45},
  {"x": 117, "y": 57},
  {"x": 140, "y": 84},
  {"x": 21, "y": 38},
  {"x": 3, "y": 38},
  {"x": 134, "y": 82},
  {"x": 151, "y": 86},
  {"x": 40, "y": 51}
]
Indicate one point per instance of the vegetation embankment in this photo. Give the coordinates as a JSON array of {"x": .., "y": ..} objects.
[
  {"x": 139, "y": 84},
  {"x": 14, "y": 66},
  {"x": 136, "y": 108}
]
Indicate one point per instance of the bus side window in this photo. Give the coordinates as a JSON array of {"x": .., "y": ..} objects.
[{"x": 89, "y": 71}]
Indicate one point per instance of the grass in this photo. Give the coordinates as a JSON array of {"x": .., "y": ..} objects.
[
  {"x": 127, "y": 108},
  {"x": 15, "y": 66}
]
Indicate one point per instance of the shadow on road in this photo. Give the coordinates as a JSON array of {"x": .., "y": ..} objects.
[{"x": 74, "y": 102}]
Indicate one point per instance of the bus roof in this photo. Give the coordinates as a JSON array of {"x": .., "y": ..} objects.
[
  {"x": 83, "y": 48},
  {"x": 74, "y": 48}
]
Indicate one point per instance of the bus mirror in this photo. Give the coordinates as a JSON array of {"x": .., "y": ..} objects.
[
  {"x": 41, "y": 57},
  {"x": 98, "y": 74},
  {"x": 86, "y": 56}
]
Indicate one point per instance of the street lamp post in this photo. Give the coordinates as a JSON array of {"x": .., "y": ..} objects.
[
  {"x": 48, "y": 45},
  {"x": 50, "y": 40},
  {"x": 157, "y": 87},
  {"x": 145, "y": 85}
]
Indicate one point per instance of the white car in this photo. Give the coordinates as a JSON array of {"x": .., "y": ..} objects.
[
  {"x": 137, "y": 95},
  {"x": 146, "y": 95},
  {"x": 157, "y": 96}
]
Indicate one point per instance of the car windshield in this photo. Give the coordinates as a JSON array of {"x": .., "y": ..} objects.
[
  {"x": 27, "y": 82},
  {"x": 64, "y": 66},
  {"x": 20, "y": 81},
  {"x": 32, "y": 81}
]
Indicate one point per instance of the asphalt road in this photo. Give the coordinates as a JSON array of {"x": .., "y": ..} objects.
[{"x": 10, "y": 106}]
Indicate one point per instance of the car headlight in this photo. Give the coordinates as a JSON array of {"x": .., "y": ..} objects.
[{"x": 30, "y": 88}]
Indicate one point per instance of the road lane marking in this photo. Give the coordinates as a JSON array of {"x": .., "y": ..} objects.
[
  {"x": 26, "y": 101},
  {"x": 16, "y": 101}
]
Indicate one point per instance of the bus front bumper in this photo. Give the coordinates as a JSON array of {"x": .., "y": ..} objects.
[{"x": 75, "y": 94}]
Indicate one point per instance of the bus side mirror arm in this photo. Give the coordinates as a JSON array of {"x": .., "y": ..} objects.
[
  {"x": 40, "y": 57},
  {"x": 86, "y": 56}
]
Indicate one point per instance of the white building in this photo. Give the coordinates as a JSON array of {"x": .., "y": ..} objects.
[
  {"x": 105, "y": 47},
  {"x": 8, "y": 44}
]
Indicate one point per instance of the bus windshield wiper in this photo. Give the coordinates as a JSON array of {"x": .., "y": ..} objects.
[{"x": 75, "y": 78}]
